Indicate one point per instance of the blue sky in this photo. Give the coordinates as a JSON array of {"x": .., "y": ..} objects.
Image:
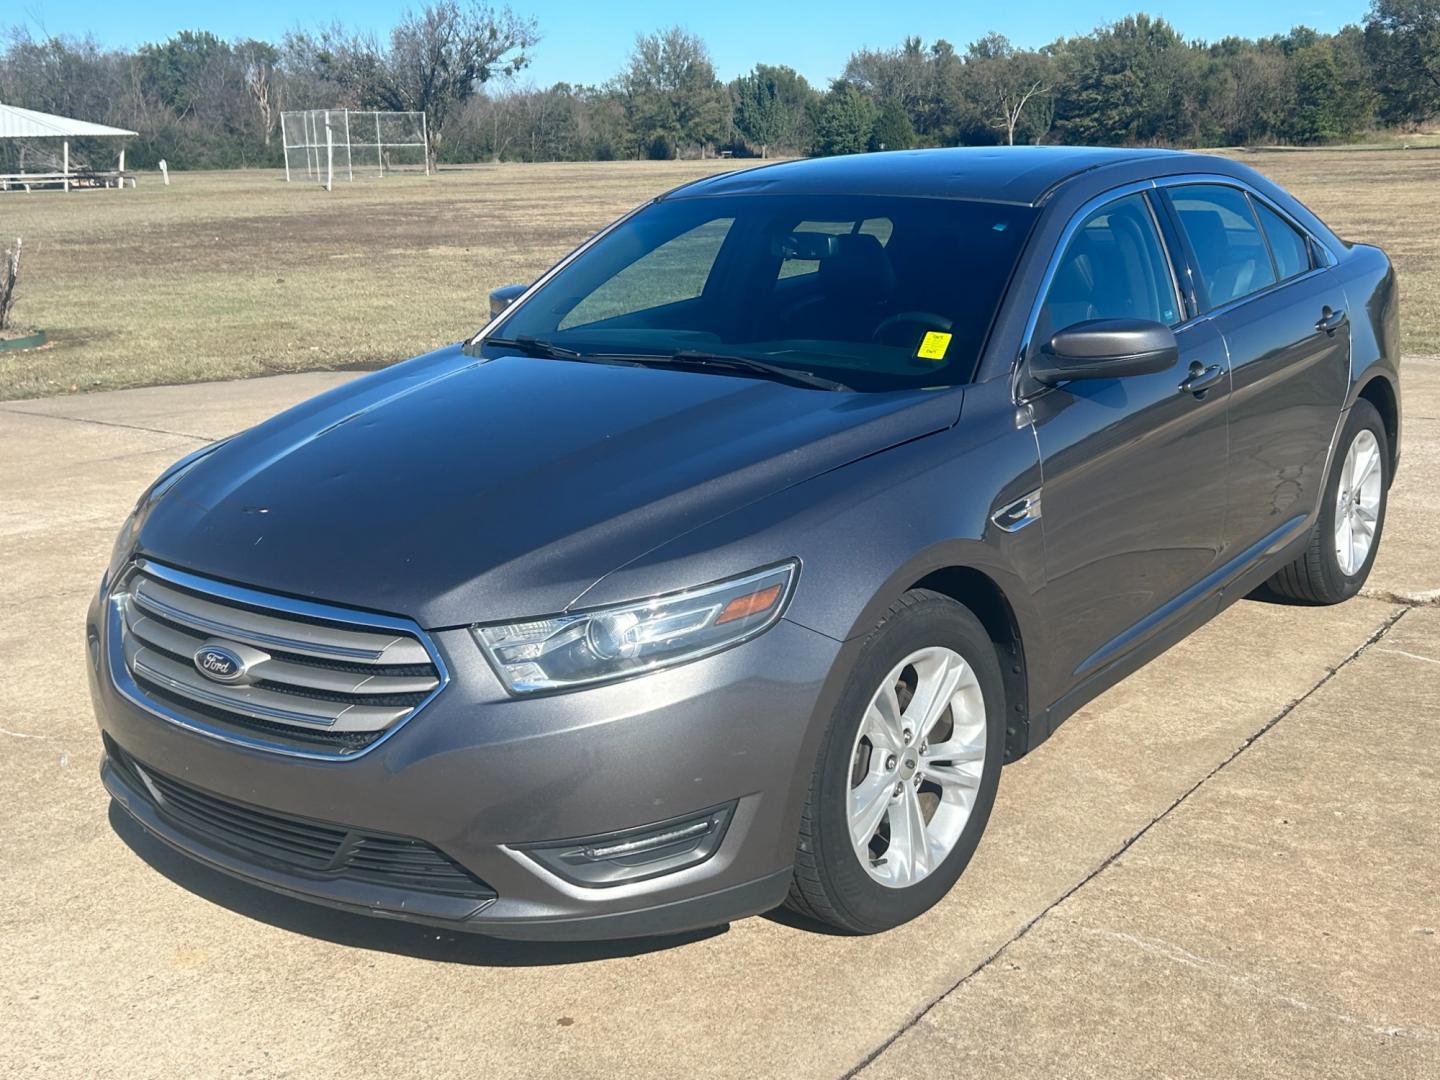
[{"x": 587, "y": 42}]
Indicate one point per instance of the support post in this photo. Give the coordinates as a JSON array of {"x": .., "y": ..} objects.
[
  {"x": 65, "y": 167},
  {"x": 329, "y": 154},
  {"x": 379, "y": 150},
  {"x": 349, "y": 151},
  {"x": 285, "y": 147},
  {"x": 425, "y": 143}
]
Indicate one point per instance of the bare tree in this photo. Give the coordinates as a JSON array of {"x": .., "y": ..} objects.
[
  {"x": 1005, "y": 81},
  {"x": 9, "y": 275},
  {"x": 257, "y": 59},
  {"x": 1012, "y": 106}
]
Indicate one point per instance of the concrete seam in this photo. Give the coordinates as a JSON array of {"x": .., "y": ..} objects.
[
  {"x": 108, "y": 423},
  {"x": 1384, "y": 628},
  {"x": 1427, "y": 598}
]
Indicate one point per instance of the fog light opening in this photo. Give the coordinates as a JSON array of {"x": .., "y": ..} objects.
[
  {"x": 651, "y": 843},
  {"x": 637, "y": 854}
]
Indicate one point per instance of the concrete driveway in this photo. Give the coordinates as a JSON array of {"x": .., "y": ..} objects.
[{"x": 1226, "y": 866}]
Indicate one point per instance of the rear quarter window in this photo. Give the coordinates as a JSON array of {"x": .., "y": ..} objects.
[{"x": 1291, "y": 249}]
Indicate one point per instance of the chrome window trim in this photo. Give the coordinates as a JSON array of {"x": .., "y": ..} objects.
[
  {"x": 1255, "y": 196},
  {"x": 1182, "y": 179},
  {"x": 1157, "y": 184},
  {"x": 126, "y": 686},
  {"x": 1138, "y": 187},
  {"x": 478, "y": 338}
]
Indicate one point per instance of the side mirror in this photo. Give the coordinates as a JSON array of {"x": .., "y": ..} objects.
[
  {"x": 1105, "y": 349},
  {"x": 503, "y": 297}
]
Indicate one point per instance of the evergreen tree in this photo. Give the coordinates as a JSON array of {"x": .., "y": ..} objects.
[{"x": 844, "y": 120}]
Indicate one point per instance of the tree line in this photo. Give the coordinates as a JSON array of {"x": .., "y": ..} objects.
[{"x": 203, "y": 102}]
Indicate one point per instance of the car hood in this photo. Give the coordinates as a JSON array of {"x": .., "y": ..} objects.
[{"x": 456, "y": 490}]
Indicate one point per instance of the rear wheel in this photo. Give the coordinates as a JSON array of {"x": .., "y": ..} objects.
[
  {"x": 908, "y": 770},
  {"x": 1352, "y": 516}
]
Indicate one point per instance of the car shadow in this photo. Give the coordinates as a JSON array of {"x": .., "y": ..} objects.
[
  {"x": 1263, "y": 594},
  {"x": 368, "y": 932},
  {"x": 795, "y": 921}
]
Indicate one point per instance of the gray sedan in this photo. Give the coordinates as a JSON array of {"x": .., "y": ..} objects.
[{"x": 726, "y": 566}]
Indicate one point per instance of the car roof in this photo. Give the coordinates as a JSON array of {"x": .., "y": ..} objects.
[{"x": 1011, "y": 174}]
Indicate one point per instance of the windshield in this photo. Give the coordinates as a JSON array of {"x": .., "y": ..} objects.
[{"x": 874, "y": 292}]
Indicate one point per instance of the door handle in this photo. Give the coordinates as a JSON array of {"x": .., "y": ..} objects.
[
  {"x": 1330, "y": 320},
  {"x": 1202, "y": 379}
]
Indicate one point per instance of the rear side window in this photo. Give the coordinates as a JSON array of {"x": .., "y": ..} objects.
[
  {"x": 1229, "y": 251},
  {"x": 1113, "y": 268},
  {"x": 1289, "y": 246}
]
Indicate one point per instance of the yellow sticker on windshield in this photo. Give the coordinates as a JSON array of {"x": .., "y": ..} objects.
[{"x": 933, "y": 346}]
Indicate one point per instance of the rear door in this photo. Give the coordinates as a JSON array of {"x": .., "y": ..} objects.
[
  {"x": 1270, "y": 294},
  {"x": 1134, "y": 467}
]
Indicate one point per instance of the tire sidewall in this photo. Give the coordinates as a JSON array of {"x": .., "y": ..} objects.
[
  {"x": 1363, "y": 416},
  {"x": 928, "y": 619}
]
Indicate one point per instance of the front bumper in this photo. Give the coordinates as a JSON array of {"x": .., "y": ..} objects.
[{"x": 479, "y": 775}]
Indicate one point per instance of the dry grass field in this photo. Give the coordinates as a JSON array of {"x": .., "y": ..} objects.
[{"x": 224, "y": 275}]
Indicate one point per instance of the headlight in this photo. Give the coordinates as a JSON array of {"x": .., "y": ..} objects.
[{"x": 627, "y": 639}]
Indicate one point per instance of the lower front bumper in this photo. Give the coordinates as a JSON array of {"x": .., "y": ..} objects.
[{"x": 454, "y": 913}]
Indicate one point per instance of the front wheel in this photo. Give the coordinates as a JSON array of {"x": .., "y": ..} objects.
[
  {"x": 1352, "y": 516},
  {"x": 908, "y": 771}
]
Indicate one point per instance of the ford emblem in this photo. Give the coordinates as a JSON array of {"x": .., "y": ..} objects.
[{"x": 219, "y": 663}]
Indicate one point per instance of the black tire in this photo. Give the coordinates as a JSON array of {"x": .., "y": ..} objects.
[
  {"x": 830, "y": 884},
  {"x": 1316, "y": 577}
]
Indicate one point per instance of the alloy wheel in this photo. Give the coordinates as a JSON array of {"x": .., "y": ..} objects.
[
  {"x": 1357, "y": 503},
  {"x": 916, "y": 766}
]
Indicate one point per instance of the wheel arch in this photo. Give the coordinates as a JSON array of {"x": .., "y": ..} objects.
[
  {"x": 1378, "y": 391},
  {"x": 982, "y": 595}
]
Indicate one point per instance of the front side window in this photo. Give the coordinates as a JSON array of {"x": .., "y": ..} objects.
[
  {"x": 1230, "y": 252},
  {"x": 876, "y": 292},
  {"x": 1114, "y": 267},
  {"x": 675, "y": 271}
]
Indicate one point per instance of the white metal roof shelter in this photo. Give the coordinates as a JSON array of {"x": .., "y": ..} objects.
[{"x": 17, "y": 123}]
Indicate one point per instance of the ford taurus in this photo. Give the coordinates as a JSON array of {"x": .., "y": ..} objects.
[{"x": 730, "y": 561}]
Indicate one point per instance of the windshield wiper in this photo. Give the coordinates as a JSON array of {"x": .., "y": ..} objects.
[
  {"x": 533, "y": 346},
  {"x": 697, "y": 358}
]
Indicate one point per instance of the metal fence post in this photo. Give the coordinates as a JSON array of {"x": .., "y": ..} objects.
[{"x": 285, "y": 147}]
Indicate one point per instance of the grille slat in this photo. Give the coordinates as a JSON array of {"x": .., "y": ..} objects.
[
  {"x": 330, "y": 685},
  {"x": 263, "y": 703},
  {"x": 236, "y": 623},
  {"x": 234, "y": 817},
  {"x": 315, "y": 848},
  {"x": 216, "y": 829},
  {"x": 371, "y": 684}
]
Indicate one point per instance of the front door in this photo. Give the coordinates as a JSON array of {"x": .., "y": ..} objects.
[{"x": 1133, "y": 468}]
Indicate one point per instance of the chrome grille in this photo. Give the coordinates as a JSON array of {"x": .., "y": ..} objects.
[{"x": 309, "y": 678}]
